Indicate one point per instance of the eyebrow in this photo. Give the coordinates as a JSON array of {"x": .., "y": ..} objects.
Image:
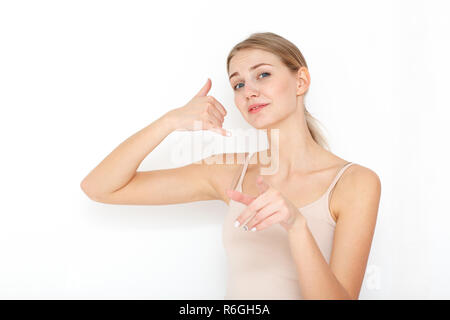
[{"x": 252, "y": 68}]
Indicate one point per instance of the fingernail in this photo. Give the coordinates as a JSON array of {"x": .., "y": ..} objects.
[
  {"x": 228, "y": 134},
  {"x": 253, "y": 229},
  {"x": 236, "y": 224}
]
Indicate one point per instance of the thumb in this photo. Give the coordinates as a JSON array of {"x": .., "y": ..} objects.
[
  {"x": 240, "y": 197},
  {"x": 204, "y": 91},
  {"x": 262, "y": 185}
]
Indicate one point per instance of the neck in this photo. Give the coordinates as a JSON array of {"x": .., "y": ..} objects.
[{"x": 293, "y": 147}]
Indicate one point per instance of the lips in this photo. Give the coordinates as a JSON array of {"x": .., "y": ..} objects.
[{"x": 256, "y": 105}]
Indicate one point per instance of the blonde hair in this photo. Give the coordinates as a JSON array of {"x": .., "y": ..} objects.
[{"x": 291, "y": 56}]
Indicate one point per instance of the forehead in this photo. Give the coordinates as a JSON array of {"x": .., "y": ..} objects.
[{"x": 246, "y": 58}]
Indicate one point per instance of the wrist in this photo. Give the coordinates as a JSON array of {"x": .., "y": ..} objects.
[
  {"x": 299, "y": 224},
  {"x": 168, "y": 121}
]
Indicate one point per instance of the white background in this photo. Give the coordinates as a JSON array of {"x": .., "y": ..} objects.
[{"x": 79, "y": 77}]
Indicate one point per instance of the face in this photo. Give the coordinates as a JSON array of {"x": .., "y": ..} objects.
[{"x": 272, "y": 83}]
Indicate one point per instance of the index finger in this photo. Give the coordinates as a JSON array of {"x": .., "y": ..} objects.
[{"x": 248, "y": 213}]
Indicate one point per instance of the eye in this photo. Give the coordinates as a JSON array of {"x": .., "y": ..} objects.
[{"x": 241, "y": 82}]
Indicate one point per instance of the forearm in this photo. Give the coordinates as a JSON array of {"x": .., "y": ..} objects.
[
  {"x": 119, "y": 167},
  {"x": 316, "y": 279}
]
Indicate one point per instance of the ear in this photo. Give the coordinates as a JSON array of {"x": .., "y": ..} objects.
[{"x": 303, "y": 80}]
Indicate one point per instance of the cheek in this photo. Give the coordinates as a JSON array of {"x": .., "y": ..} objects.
[
  {"x": 285, "y": 92},
  {"x": 240, "y": 103},
  {"x": 273, "y": 92},
  {"x": 284, "y": 88}
]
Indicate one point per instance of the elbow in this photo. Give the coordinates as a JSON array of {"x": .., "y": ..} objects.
[
  {"x": 93, "y": 193},
  {"x": 84, "y": 187},
  {"x": 88, "y": 192}
]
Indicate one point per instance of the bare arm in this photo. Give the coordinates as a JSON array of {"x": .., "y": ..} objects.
[
  {"x": 193, "y": 182},
  {"x": 342, "y": 278},
  {"x": 115, "y": 179},
  {"x": 120, "y": 166}
]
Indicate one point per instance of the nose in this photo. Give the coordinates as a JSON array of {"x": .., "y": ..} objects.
[{"x": 251, "y": 90}]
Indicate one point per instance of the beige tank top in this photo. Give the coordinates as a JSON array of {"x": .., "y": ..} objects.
[{"x": 259, "y": 264}]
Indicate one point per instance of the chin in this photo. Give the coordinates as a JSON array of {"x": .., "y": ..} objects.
[{"x": 264, "y": 124}]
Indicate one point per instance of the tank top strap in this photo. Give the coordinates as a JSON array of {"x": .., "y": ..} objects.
[
  {"x": 244, "y": 169},
  {"x": 339, "y": 174}
]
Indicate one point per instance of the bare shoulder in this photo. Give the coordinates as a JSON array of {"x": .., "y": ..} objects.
[
  {"x": 358, "y": 186},
  {"x": 224, "y": 171}
]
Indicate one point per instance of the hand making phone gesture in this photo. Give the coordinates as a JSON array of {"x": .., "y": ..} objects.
[{"x": 202, "y": 112}]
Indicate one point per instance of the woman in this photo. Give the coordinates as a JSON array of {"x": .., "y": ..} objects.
[{"x": 312, "y": 220}]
